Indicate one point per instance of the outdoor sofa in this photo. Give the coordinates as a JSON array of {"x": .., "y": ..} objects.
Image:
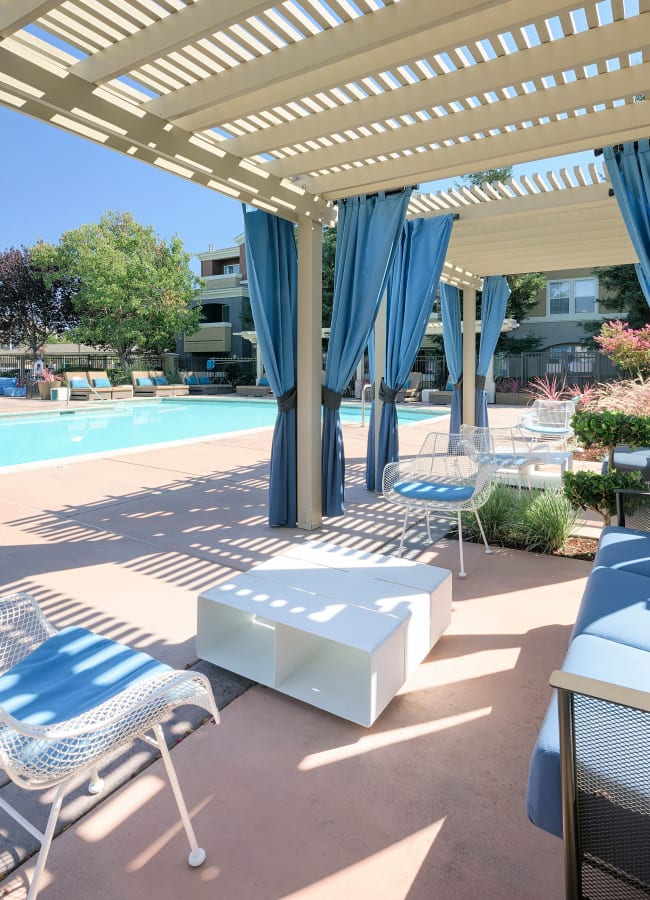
[
  {"x": 204, "y": 384},
  {"x": 95, "y": 386},
  {"x": 592, "y": 786}
]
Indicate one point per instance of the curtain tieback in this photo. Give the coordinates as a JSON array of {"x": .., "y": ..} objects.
[
  {"x": 386, "y": 393},
  {"x": 459, "y": 384},
  {"x": 331, "y": 399},
  {"x": 479, "y": 382},
  {"x": 288, "y": 400}
]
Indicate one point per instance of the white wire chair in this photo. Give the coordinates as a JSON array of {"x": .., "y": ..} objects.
[
  {"x": 513, "y": 451},
  {"x": 69, "y": 699},
  {"x": 452, "y": 473},
  {"x": 549, "y": 420}
]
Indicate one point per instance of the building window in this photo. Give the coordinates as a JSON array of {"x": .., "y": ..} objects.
[
  {"x": 213, "y": 313},
  {"x": 572, "y": 297},
  {"x": 231, "y": 269}
]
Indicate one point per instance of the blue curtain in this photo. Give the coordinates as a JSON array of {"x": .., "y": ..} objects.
[
  {"x": 452, "y": 338},
  {"x": 493, "y": 309},
  {"x": 411, "y": 290},
  {"x": 629, "y": 172},
  {"x": 367, "y": 235},
  {"x": 272, "y": 263}
]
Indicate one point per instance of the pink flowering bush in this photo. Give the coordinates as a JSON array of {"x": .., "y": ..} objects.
[{"x": 628, "y": 348}]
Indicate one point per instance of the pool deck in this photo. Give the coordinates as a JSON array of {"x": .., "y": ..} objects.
[{"x": 289, "y": 801}]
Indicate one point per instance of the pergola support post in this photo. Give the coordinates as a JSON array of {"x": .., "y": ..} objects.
[
  {"x": 310, "y": 354},
  {"x": 469, "y": 355}
]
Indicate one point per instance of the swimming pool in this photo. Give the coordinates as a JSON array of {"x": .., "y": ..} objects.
[{"x": 65, "y": 434}]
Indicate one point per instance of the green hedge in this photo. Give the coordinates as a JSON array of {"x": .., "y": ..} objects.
[{"x": 590, "y": 490}]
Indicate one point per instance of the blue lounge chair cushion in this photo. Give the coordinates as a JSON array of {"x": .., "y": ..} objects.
[
  {"x": 45, "y": 687},
  {"x": 264, "y": 381},
  {"x": 144, "y": 382},
  {"x": 191, "y": 379},
  {"x": 205, "y": 379},
  {"x": 160, "y": 379},
  {"x": 434, "y": 490},
  {"x": 79, "y": 383},
  {"x": 546, "y": 429},
  {"x": 101, "y": 382},
  {"x": 605, "y": 660},
  {"x": 616, "y": 605}
]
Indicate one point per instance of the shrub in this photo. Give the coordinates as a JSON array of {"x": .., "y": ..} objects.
[
  {"x": 631, "y": 396},
  {"x": 602, "y": 428},
  {"x": 535, "y": 520},
  {"x": 628, "y": 348},
  {"x": 589, "y": 490},
  {"x": 548, "y": 521},
  {"x": 547, "y": 388},
  {"x": 508, "y": 385}
]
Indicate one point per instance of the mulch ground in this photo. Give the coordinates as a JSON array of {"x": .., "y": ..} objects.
[{"x": 578, "y": 547}]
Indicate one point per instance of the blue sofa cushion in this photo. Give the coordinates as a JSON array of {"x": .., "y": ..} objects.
[
  {"x": 616, "y": 606},
  {"x": 79, "y": 383},
  {"x": 69, "y": 674},
  {"x": 432, "y": 490},
  {"x": 593, "y": 657},
  {"x": 101, "y": 382},
  {"x": 160, "y": 379},
  {"x": 191, "y": 379},
  {"x": 205, "y": 379},
  {"x": 624, "y": 549},
  {"x": 144, "y": 382}
]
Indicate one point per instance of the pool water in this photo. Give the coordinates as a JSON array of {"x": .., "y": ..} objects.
[{"x": 94, "y": 431}]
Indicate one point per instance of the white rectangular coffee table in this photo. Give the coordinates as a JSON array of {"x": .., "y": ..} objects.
[{"x": 338, "y": 628}]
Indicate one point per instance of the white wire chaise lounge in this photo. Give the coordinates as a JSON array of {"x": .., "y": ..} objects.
[{"x": 71, "y": 698}]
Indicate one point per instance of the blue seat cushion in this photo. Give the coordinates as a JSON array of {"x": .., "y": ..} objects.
[
  {"x": 69, "y": 674},
  {"x": 191, "y": 379},
  {"x": 624, "y": 549},
  {"x": 160, "y": 379},
  {"x": 616, "y": 606},
  {"x": 79, "y": 383},
  {"x": 101, "y": 382},
  {"x": 439, "y": 491},
  {"x": 144, "y": 382},
  {"x": 546, "y": 429},
  {"x": 205, "y": 379},
  {"x": 593, "y": 657}
]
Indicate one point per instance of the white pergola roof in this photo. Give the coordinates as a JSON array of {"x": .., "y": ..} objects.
[{"x": 290, "y": 106}]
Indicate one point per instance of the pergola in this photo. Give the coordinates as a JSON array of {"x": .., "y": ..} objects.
[{"x": 289, "y": 107}]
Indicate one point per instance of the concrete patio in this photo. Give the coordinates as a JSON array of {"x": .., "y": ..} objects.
[{"x": 289, "y": 801}]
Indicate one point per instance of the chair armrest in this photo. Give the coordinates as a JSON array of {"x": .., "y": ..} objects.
[
  {"x": 23, "y": 628},
  {"x": 633, "y": 509}
]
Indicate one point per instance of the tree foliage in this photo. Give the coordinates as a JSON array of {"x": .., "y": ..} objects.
[
  {"x": 134, "y": 290},
  {"x": 486, "y": 176},
  {"x": 624, "y": 297},
  {"x": 627, "y": 348},
  {"x": 329, "y": 254},
  {"x": 35, "y": 298}
]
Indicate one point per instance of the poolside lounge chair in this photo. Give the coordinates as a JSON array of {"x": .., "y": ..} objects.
[
  {"x": 410, "y": 393},
  {"x": 151, "y": 384},
  {"x": 69, "y": 699},
  {"x": 261, "y": 389},
  {"x": 203, "y": 384},
  {"x": 100, "y": 381},
  {"x": 81, "y": 388}
]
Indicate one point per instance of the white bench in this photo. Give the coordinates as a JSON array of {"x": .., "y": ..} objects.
[{"x": 338, "y": 628}]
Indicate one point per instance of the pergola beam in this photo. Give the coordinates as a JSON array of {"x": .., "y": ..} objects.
[
  {"x": 364, "y": 46},
  {"x": 164, "y": 36},
  {"x": 559, "y": 100},
  {"x": 16, "y": 14},
  {"x": 571, "y": 135},
  {"x": 577, "y": 50}
]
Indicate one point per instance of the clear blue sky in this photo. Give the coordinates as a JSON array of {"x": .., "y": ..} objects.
[{"x": 52, "y": 181}]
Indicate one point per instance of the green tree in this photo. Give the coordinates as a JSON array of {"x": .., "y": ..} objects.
[
  {"x": 487, "y": 176},
  {"x": 523, "y": 296},
  {"x": 626, "y": 299},
  {"x": 134, "y": 290},
  {"x": 35, "y": 298},
  {"x": 329, "y": 254}
]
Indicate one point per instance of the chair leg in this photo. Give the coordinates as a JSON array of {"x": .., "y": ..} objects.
[
  {"x": 96, "y": 782},
  {"x": 462, "y": 572},
  {"x": 197, "y": 854},
  {"x": 401, "y": 543},
  {"x": 46, "y": 841},
  {"x": 480, "y": 525}
]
